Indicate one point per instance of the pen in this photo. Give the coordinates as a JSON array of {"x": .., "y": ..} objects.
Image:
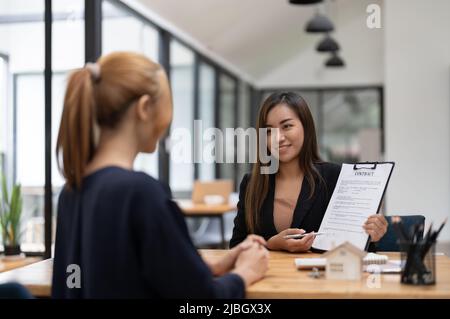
[
  {"x": 296, "y": 236},
  {"x": 417, "y": 230},
  {"x": 436, "y": 234},
  {"x": 428, "y": 234},
  {"x": 431, "y": 239}
]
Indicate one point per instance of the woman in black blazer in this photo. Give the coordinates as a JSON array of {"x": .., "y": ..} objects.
[{"x": 293, "y": 200}]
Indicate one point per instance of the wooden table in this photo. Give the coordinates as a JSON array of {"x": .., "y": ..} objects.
[
  {"x": 193, "y": 210},
  {"x": 282, "y": 280},
  {"x": 6, "y": 265},
  {"x": 36, "y": 277}
]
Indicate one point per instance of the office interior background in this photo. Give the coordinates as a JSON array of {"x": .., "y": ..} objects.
[{"x": 391, "y": 100}]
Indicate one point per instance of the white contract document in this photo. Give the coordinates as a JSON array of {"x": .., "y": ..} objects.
[{"x": 358, "y": 194}]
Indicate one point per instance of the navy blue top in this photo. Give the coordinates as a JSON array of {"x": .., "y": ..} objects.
[{"x": 130, "y": 240}]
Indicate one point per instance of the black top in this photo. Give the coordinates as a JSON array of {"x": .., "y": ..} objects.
[
  {"x": 308, "y": 213},
  {"x": 130, "y": 241}
]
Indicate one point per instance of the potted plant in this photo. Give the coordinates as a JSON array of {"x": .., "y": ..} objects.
[{"x": 10, "y": 213}]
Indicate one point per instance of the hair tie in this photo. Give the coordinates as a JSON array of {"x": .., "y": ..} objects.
[{"x": 94, "y": 69}]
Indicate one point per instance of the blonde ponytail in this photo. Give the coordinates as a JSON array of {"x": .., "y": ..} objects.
[{"x": 76, "y": 133}]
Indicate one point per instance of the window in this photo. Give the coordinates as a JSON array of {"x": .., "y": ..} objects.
[
  {"x": 244, "y": 121},
  {"x": 22, "y": 109},
  {"x": 206, "y": 115},
  {"x": 352, "y": 125},
  {"x": 123, "y": 31},
  {"x": 23, "y": 142},
  {"x": 182, "y": 82},
  {"x": 4, "y": 93},
  {"x": 227, "y": 120},
  {"x": 22, "y": 132}
]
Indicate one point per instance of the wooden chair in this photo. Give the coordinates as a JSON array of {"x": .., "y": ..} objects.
[
  {"x": 220, "y": 187},
  {"x": 211, "y": 228}
]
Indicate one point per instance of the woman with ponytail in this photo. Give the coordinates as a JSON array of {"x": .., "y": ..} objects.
[
  {"x": 294, "y": 199},
  {"x": 119, "y": 234}
]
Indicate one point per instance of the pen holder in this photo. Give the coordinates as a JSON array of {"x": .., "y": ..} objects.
[{"x": 418, "y": 262}]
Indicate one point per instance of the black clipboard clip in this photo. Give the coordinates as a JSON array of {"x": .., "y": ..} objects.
[{"x": 365, "y": 165}]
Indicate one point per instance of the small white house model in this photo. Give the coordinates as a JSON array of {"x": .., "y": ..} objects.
[{"x": 345, "y": 262}]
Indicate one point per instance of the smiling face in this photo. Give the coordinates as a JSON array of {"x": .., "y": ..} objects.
[{"x": 290, "y": 137}]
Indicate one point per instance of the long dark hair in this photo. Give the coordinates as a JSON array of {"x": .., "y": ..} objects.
[{"x": 258, "y": 185}]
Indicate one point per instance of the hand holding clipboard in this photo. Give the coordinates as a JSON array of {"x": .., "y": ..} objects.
[{"x": 358, "y": 194}]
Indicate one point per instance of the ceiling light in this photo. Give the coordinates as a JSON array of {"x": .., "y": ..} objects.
[
  {"x": 319, "y": 23},
  {"x": 328, "y": 44},
  {"x": 335, "y": 61},
  {"x": 304, "y": 1}
]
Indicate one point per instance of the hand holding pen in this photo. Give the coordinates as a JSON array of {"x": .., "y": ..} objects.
[{"x": 293, "y": 240}]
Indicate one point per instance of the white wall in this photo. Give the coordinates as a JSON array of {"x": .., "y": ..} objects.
[
  {"x": 362, "y": 49},
  {"x": 417, "y": 107}
]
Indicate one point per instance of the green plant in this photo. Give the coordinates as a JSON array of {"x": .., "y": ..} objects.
[{"x": 10, "y": 213}]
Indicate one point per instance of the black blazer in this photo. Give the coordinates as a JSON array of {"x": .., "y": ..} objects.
[{"x": 308, "y": 213}]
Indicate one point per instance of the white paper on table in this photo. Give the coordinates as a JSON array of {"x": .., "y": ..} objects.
[{"x": 357, "y": 195}]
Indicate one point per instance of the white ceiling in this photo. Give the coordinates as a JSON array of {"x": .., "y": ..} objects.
[{"x": 253, "y": 35}]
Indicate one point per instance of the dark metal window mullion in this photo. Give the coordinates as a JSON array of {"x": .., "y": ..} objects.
[
  {"x": 320, "y": 118},
  {"x": 14, "y": 129},
  {"x": 92, "y": 30},
  {"x": 382, "y": 123},
  {"x": 217, "y": 93},
  {"x": 48, "y": 203},
  {"x": 236, "y": 125},
  {"x": 196, "y": 99},
  {"x": 254, "y": 101},
  {"x": 164, "y": 60}
]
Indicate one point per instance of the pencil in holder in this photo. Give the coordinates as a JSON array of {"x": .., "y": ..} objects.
[{"x": 418, "y": 262}]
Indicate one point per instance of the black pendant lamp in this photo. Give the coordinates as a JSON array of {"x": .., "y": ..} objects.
[
  {"x": 304, "y": 1},
  {"x": 335, "y": 61},
  {"x": 319, "y": 23},
  {"x": 328, "y": 44}
]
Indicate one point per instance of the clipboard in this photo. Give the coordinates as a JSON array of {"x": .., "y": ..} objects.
[{"x": 357, "y": 167}]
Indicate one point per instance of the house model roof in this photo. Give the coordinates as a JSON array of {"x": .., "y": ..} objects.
[{"x": 348, "y": 246}]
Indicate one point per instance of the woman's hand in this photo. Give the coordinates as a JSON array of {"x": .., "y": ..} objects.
[
  {"x": 278, "y": 242},
  {"x": 226, "y": 263},
  {"x": 376, "y": 226},
  {"x": 250, "y": 240},
  {"x": 252, "y": 263}
]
